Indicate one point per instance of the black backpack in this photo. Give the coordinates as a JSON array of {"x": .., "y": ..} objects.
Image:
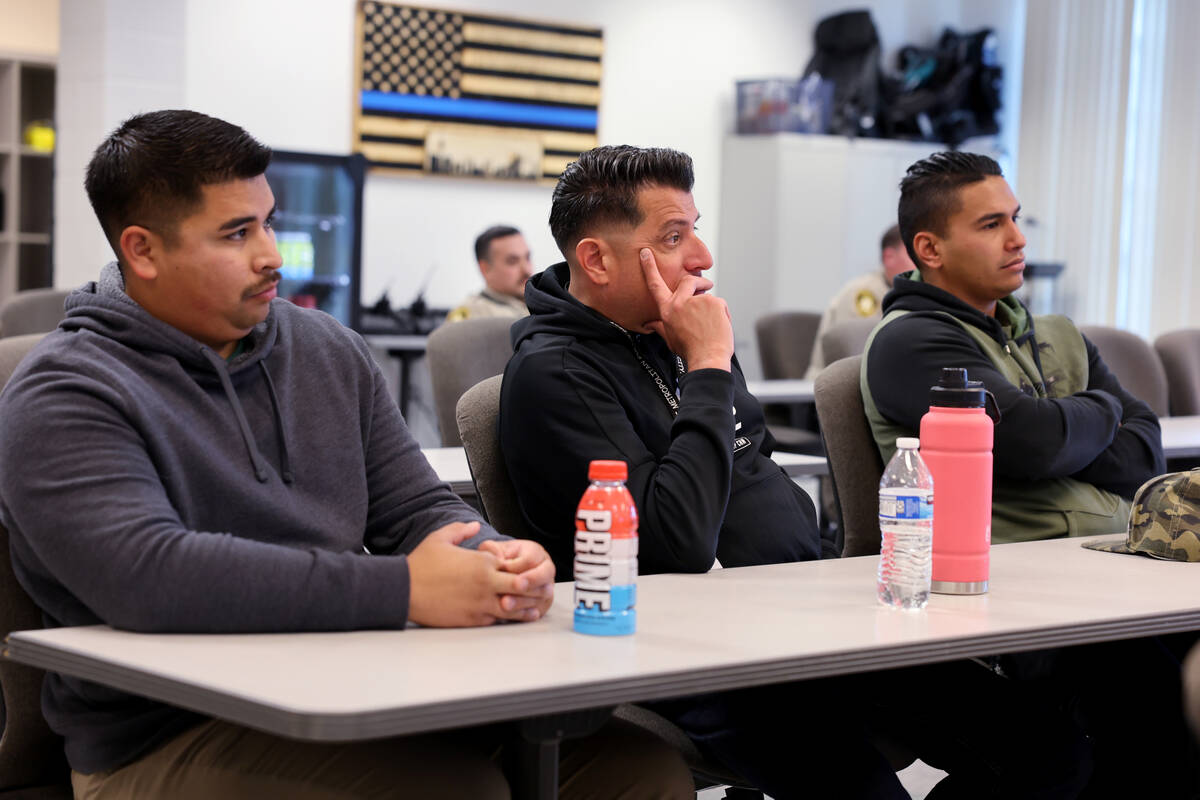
[
  {"x": 846, "y": 53},
  {"x": 948, "y": 93}
]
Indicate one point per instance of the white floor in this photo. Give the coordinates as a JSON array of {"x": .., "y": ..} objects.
[{"x": 918, "y": 779}]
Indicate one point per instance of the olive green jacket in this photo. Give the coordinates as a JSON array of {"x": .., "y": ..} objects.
[{"x": 1071, "y": 445}]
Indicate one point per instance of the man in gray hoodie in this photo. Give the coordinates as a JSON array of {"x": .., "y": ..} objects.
[{"x": 188, "y": 454}]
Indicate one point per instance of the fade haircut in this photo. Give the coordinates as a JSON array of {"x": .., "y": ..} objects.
[
  {"x": 151, "y": 169},
  {"x": 484, "y": 242},
  {"x": 929, "y": 192},
  {"x": 601, "y": 188}
]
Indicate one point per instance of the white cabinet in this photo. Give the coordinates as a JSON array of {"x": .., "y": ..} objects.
[
  {"x": 801, "y": 215},
  {"x": 26, "y": 175}
]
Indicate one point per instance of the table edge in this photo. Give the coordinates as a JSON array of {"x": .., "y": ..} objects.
[{"x": 322, "y": 726}]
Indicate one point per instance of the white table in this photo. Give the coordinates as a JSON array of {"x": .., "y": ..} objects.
[
  {"x": 450, "y": 463},
  {"x": 1180, "y": 436},
  {"x": 725, "y": 629},
  {"x": 729, "y": 628},
  {"x": 781, "y": 391}
]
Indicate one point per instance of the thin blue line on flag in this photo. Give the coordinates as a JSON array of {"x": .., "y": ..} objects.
[{"x": 470, "y": 108}]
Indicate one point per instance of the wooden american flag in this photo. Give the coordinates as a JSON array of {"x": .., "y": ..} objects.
[{"x": 468, "y": 94}]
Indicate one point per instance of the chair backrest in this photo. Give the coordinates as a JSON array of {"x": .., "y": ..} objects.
[
  {"x": 33, "y": 311},
  {"x": 854, "y": 461},
  {"x": 30, "y": 753},
  {"x": 478, "y": 416},
  {"x": 1180, "y": 355},
  {"x": 846, "y": 339},
  {"x": 785, "y": 342},
  {"x": 1135, "y": 363},
  {"x": 461, "y": 354}
]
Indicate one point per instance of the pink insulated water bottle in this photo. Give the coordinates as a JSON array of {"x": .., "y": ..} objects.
[{"x": 956, "y": 444}]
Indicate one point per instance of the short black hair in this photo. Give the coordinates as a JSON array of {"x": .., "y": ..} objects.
[
  {"x": 601, "y": 188},
  {"x": 929, "y": 192},
  {"x": 891, "y": 238},
  {"x": 150, "y": 170},
  {"x": 484, "y": 241}
]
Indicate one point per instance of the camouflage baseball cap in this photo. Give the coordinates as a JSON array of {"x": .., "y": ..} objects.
[{"x": 1165, "y": 520}]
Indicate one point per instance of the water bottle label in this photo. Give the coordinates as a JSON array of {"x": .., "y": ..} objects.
[{"x": 906, "y": 506}]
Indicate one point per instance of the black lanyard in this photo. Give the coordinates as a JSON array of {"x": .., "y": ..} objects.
[{"x": 668, "y": 395}]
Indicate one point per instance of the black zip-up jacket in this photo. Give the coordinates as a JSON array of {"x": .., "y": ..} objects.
[
  {"x": 1100, "y": 434},
  {"x": 703, "y": 480}
]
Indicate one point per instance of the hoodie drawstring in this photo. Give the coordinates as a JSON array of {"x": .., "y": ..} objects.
[
  {"x": 285, "y": 466},
  {"x": 256, "y": 460}
]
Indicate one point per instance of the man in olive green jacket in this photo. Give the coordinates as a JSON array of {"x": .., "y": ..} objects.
[{"x": 1072, "y": 445}]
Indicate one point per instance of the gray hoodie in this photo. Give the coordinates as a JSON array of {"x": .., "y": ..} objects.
[{"x": 149, "y": 485}]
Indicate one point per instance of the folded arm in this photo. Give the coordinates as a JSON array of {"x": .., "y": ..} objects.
[
  {"x": 1036, "y": 438},
  {"x": 1135, "y": 454}
]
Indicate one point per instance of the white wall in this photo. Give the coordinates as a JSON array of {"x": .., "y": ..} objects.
[
  {"x": 117, "y": 58},
  {"x": 283, "y": 70},
  {"x": 29, "y": 27}
]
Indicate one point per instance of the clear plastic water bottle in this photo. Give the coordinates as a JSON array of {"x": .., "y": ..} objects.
[{"x": 906, "y": 524}]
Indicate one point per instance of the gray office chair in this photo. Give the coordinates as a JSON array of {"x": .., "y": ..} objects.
[
  {"x": 854, "y": 460},
  {"x": 785, "y": 344},
  {"x": 461, "y": 354},
  {"x": 1179, "y": 352},
  {"x": 33, "y": 311},
  {"x": 846, "y": 339},
  {"x": 856, "y": 468},
  {"x": 1134, "y": 362},
  {"x": 478, "y": 414},
  {"x": 32, "y": 763}
]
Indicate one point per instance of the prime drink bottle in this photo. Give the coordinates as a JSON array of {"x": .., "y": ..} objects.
[{"x": 606, "y": 554}]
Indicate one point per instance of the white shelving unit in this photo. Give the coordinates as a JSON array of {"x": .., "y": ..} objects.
[{"x": 27, "y": 85}]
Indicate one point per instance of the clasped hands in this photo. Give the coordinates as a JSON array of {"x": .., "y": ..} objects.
[{"x": 452, "y": 586}]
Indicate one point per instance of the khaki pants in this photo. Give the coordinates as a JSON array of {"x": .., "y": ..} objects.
[{"x": 221, "y": 760}]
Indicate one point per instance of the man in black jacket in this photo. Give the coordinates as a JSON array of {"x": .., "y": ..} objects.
[
  {"x": 1072, "y": 445},
  {"x": 626, "y": 355}
]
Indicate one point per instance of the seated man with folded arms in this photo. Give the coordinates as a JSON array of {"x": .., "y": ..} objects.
[
  {"x": 1071, "y": 446},
  {"x": 628, "y": 356},
  {"x": 187, "y": 453}
]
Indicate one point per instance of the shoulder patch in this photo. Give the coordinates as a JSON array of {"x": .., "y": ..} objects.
[{"x": 865, "y": 303}]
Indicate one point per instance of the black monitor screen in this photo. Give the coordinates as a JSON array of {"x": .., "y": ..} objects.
[{"x": 318, "y": 228}]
